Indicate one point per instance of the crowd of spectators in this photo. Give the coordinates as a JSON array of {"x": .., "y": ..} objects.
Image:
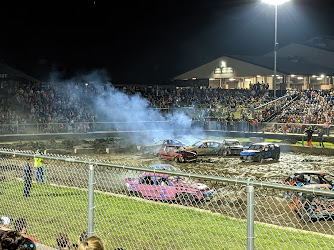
[
  {"x": 46, "y": 103},
  {"x": 17, "y": 238},
  {"x": 68, "y": 103},
  {"x": 68, "y": 107},
  {"x": 313, "y": 107}
]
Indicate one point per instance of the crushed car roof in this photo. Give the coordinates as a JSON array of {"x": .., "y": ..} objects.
[{"x": 310, "y": 172}]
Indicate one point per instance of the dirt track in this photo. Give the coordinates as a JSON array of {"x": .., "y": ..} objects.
[{"x": 271, "y": 206}]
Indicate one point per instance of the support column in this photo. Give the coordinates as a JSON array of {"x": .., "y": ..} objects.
[{"x": 250, "y": 217}]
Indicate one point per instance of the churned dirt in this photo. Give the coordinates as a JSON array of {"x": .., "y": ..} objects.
[{"x": 230, "y": 199}]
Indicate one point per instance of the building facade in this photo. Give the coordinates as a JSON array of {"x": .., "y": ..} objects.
[{"x": 307, "y": 65}]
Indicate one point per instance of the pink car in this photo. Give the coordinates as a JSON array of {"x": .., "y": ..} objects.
[{"x": 165, "y": 187}]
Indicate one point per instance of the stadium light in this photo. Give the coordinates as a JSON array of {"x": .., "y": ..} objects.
[{"x": 276, "y": 3}]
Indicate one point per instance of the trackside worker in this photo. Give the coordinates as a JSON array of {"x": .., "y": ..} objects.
[{"x": 38, "y": 164}]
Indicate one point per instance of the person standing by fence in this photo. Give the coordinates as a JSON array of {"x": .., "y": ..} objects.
[
  {"x": 38, "y": 164},
  {"x": 309, "y": 133},
  {"x": 27, "y": 178},
  {"x": 327, "y": 126},
  {"x": 320, "y": 137}
]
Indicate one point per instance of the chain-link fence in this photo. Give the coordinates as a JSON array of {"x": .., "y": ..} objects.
[{"x": 159, "y": 207}]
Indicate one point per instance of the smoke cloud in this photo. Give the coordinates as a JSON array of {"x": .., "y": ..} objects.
[{"x": 123, "y": 112}]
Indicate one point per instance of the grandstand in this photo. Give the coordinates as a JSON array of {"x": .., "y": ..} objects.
[{"x": 302, "y": 66}]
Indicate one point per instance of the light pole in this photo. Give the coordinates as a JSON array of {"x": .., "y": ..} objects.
[{"x": 276, "y": 3}]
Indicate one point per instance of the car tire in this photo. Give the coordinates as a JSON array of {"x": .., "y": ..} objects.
[
  {"x": 186, "y": 199},
  {"x": 276, "y": 156},
  {"x": 137, "y": 194},
  {"x": 306, "y": 215},
  {"x": 259, "y": 158},
  {"x": 223, "y": 153}
]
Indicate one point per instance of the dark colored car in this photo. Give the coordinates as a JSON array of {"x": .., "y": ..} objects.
[
  {"x": 231, "y": 147},
  {"x": 176, "y": 153},
  {"x": 260, "y": 151},
  {"x": 311, "y": 207},
  {"x": 307, "y": 177}
]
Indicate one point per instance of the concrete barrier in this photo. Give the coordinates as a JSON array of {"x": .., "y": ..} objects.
[
  {"x": 307, "y": 150},
  {"x": 58, "y": 151},
  {"x": 256, "y": 139},
  {"x": 84, "y": 150},
  {"x": 117, "y": 150}
]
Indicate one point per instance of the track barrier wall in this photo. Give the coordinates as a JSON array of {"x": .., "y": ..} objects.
[
  {"x": 80, "y": 194},
  {"x": 204, "y": 123}
]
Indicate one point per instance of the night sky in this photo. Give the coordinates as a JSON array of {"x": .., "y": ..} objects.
[{"x": 148, "y": 40}]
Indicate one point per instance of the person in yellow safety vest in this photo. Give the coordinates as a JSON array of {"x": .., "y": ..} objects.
[{"x": 38, "y": 164}]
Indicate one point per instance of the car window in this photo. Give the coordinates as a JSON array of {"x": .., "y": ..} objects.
[
  {"x": 214, "y": 144},
  {"x": 197, "y": 144},
  {"x": 255, "y": 147},
  {"x": 147, "y": 180},
  {"x": 162, "y": 181},
  {"x": 314, "y": 179},
  {"x": 329, "y": 177}
]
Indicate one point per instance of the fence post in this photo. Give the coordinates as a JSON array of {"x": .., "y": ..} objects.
[
  {"x": 91, "y": 200},
  {"x": 250, "y": 217}
]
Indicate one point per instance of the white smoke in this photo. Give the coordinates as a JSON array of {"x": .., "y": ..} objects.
[{"x": 130, "y": 112}]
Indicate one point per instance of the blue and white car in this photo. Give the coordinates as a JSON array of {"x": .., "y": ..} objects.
[
  {"x": 260, "y": 151},
  {"x": 163, "y": 167}
]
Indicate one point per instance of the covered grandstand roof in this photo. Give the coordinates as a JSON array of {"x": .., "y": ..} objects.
[
  {"x": 242, "y": 68},
  {"x": 290, "y": 65},
  {"x": 296, "y": 58}
]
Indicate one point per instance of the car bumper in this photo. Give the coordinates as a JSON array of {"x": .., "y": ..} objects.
[
  {"x": 235, "y": 152},
  {"x": 208, "y": 194},
  {"x": 246, "y": 158}
]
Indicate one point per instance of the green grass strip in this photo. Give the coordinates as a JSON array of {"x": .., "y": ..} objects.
[{"x": 133, "y": 223}]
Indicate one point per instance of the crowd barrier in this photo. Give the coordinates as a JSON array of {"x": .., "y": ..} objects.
[
  {"x": 75, "y": 195},
  {"x": 205, "y": 124}
]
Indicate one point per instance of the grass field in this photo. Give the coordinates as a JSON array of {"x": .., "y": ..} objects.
[{"x": 133, "y": 223}]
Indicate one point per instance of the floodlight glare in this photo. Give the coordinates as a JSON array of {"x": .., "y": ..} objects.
[{"x": 275, "y": 2}]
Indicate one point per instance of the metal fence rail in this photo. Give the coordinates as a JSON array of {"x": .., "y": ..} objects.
[
  {"x": 76, "y": 195},
  {"x": 204, "y": 123}
]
